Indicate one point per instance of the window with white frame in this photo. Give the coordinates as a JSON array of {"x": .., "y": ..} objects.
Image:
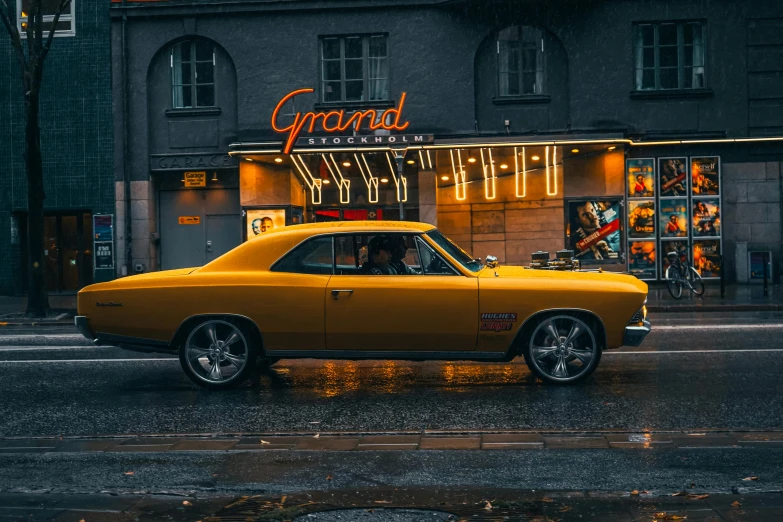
[
  {"x": 520, "y": 50},
  {"x": 49, "y": 8},
  {"x": 669, "y": 55},
  {"x": 193, "y": 74},
  {"x": 354, "y": 68}
]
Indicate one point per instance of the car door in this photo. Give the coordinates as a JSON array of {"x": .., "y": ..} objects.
[{"x": 432, "y": 310}]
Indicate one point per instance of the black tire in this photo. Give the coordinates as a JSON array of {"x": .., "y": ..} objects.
[
  {"x": 697, "y": 284},
  {"x": 235, "y": 342},
  {"x": 541, "y": 350},
  {"x": 674, "y": 282}
]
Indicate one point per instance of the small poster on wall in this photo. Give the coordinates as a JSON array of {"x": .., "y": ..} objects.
[
  {"x": 706, "y": 217},
  {"x": 705, "y": 176},
  {"x": 641, "y": 259},
  {"x": 594, "y": 229},
  {"x": 672, "y": 245},
  {"x": 673, "y": 217},
  {"x": 706, "y": 257},
  {"x": 673, "y": 177},
  {"x": 260, "y": 221},
  {"x": 641, "y": 219},
  {"x": 641, "y": 177}
]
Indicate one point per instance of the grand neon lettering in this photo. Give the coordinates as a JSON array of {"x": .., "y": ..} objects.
[{"x": 335, "y": 121}]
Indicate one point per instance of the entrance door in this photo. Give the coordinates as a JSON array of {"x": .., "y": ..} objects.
[
  {"x": 190, "y": 218},
  {"x": 68, "y": 251}
]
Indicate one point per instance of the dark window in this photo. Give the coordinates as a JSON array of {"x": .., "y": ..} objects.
[
  {"x": 49, "y": 8},
  {"x": 520, "y": 51},
  {"x": 314, "y": 256},
  {"x": 193, "y": 74},
  {"x": 354, "y": 68},
  {"x": 669, "y": 55},
  {"x": 454, "y": 251}
]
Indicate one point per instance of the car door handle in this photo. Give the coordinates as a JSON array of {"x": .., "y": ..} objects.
[{"x": 336, "y": 293}]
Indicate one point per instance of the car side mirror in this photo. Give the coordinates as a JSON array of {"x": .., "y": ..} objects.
[{"x": 492, "y": 262}]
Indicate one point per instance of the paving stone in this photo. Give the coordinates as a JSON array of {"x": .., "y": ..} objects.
[
  {"x": 450, "y": 443},
  {"x": 86, "y": 445},
  {"x": 327, "y": 443},
  {"x": 575, "y": 442},
  {"x": 204, "y": 445},
  {"x": 711, "y": 440},
  {"x": 638, "y": 440},
  {"x": 274, "y": 443},
  {"x": 389, "y": 442},
  {"x": 146, "y": 444},
  {"x": 512, "y": 441}
]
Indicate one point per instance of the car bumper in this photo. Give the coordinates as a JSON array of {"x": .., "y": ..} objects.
[
  {"x": 83, "y": 325},
  {"x": 635, "y": 334}
]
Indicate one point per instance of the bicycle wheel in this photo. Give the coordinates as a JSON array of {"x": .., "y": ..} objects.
[
  {"x": 695, "y": 281},
  {"x": 674, "y": 282}
]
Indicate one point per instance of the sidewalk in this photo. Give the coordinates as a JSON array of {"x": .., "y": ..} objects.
[{"x": 62, "y": 310}]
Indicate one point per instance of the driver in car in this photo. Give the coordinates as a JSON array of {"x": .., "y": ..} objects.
[
  {"x": 399, "y": 251},
  {"x": 379, "y": 256}
]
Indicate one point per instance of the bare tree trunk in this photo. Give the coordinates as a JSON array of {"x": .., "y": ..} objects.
[{"x": 37, "y": 299}]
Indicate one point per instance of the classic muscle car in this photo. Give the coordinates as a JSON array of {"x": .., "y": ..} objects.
[{"x": 365, "y": 290}]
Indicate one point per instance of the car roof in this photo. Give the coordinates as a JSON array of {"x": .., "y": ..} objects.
[{"x": 260, "y": 252}]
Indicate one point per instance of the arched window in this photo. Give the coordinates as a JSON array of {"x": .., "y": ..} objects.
[
  {"x": 520, "y": 51},
  {"x": 193, "y": 74}
]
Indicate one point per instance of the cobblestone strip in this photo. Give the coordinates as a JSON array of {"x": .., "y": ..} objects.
[{"x": 397, "y": 442}]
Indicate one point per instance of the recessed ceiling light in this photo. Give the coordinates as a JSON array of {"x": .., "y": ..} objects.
[
  {"x": 471, "y": 160},
  {"x": 384, "y": 180},
  {"x": 410, "y": 162},
  {"x": 346, "y": 163},
  {"x": 575, "y": 151},
  {"x": 535, "y": 158},
  {"x": 249, "y": 159},
  {"x": 326, "y": 182},
  {"x": 612, "y": 147},
  {"x": 444, "y": 178},
  {"x": 278, "y": 160},
  {"x": 503, "y": 166}
]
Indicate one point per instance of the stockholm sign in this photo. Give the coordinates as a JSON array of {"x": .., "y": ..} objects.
[{"x": 338, "y": 121}]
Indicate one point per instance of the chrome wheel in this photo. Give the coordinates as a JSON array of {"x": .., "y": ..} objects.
[
  {"x": 216, "y": 352},
  {"x": 563, "y": 349}
]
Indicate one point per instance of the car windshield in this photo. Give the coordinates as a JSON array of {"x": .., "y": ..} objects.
[{"x": 455, "y": 251}]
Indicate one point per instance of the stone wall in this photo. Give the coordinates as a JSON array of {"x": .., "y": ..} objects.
[{"x": 751, "y": 214}]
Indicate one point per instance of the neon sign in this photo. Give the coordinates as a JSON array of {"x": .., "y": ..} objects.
[{"x": 335, "y": 121}]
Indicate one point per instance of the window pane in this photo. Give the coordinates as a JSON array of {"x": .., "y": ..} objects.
[
  {"x": 178, "y": 96},
  {"x": 698, "y": 77},
  {"x": 203, "y": 51},
  {"x": 331, "y": 48},
  {"x": 379, "y": 89},
  {"x": 531, "y": 35},
  {"x": 668, "y": 56},
  {"x": 432, "y": 263},
  {"x": 187, "y": 96},
  {"x": 377, "y": 46},
  {"x": 346, "y": 255},
  {"x": 529, "y": 60},
  {"x": 205, "y": 73},
  {"x": 509, "y": 34},
  {"x": 205, "y": 95},
  {"x": 353, "y": 70},
  {"x": 185, "y": 71},
  {"x": 378, "y": 68},
  {"x": 669, "y": 78},
  {"x": 353, "y": 47},
  {"x": 354, "y": 90},
  {"x": 698, "y": 55},
  {"x": 48, "y": 7},
  {"x": 687, "y": 56},
  {"x": 687, "y": 77},
  {"x": 667, "y": 34},
  {"x": 312, "y": 257},
  {"x": 648, "y": 79},
  {"x": 184, "y": 51},
  {"x": 648, "y": 57},
  {"x": 529, "y": 83},
  {"x": 693, "y": 33},
  {"x": 332, "y": 70},
  {"x": 62, "y": 25},
  {"x": 333, "y": 91},
  {"x": 647, "y": 34}
]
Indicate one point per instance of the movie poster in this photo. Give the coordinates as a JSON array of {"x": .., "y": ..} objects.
[
  {"x": 594, "y": 229},
  {"x": 705, "y": 176},
  {"x": 672, "y": 177},
  {"x": 264, "y": 220},
  {"x": 672, "y": 245},
  {"x": 640, "y": 174},
  {"x": 641, "y": 219},
  {"x": 641, "y": 259},
  {"x": 706, "y": 217},
  {"x": 673, "y": 217},
  {"x": 706, "y": 257}
]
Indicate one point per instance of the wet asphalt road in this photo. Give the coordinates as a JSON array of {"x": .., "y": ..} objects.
[{"x": 691, "y": 373}]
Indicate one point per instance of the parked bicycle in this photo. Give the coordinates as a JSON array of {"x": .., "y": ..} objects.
[{"x": 680, "y": 273}]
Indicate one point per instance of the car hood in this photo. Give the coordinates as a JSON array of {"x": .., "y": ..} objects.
[{"x": 520, "y": 272}]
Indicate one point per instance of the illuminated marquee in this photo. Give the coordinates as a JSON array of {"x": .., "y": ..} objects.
[{"x": 336, "y": 121}]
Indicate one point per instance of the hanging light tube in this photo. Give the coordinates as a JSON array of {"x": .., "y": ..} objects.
[
  {"x": 312, "y": 183},
  {"x": 369, "y": 180},
  {"x": 397, "y": 180},
  {"x": 517, "y": 173}
]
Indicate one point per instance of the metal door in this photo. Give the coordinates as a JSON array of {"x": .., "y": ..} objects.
[{"x": 224, "y": 232}]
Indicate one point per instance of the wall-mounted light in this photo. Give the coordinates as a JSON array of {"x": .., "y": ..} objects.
[
  {"x": 214, "y": 175},
  {"x": 278, "y": 160},
  {"x": 535, "y": 158},
  {"x": 612, "y": 147},
  {"x": 384, "y": 180},
  {"x": 249, "y": 159}
]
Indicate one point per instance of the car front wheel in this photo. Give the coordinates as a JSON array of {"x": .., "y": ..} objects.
[
  {"x": 562, "y": 349},
  {"x": 218, "y": 354}
]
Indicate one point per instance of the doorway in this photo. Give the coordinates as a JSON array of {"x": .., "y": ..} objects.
[{"x": 67, "y": 246}]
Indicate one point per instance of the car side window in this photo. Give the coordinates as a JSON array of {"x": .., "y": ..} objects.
[
  {"x": 431, "y": 262},
  {"x": 376, "y": 254},
  {"x": 314, "y": 256}
]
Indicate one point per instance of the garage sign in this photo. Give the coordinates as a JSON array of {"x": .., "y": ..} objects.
[
  {"x": 190, "y": 220},
  {"x": 195, "y": 179}
]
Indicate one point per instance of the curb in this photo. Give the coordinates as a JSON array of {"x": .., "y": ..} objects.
[{"x": 761, "y": 307}]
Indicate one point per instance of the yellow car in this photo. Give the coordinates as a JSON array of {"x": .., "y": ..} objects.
[{"x": 365, "y": 290}]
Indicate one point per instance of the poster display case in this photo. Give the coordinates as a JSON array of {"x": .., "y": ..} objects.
[
  {"x": 594, "y": 230},
  {"x": 262, "y": 219}
]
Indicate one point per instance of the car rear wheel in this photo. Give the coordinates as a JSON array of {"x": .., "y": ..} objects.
[
  {"x": 562, "y": 349},
  {"x": 218, "y": 354}
]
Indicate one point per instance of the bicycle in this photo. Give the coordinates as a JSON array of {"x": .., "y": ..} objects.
[{"x": 680, "y": 273}]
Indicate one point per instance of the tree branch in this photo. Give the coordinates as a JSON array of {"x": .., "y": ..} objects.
[
  {"x": 16, "y": 39},
  {"x": 60, "y": 10}
]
